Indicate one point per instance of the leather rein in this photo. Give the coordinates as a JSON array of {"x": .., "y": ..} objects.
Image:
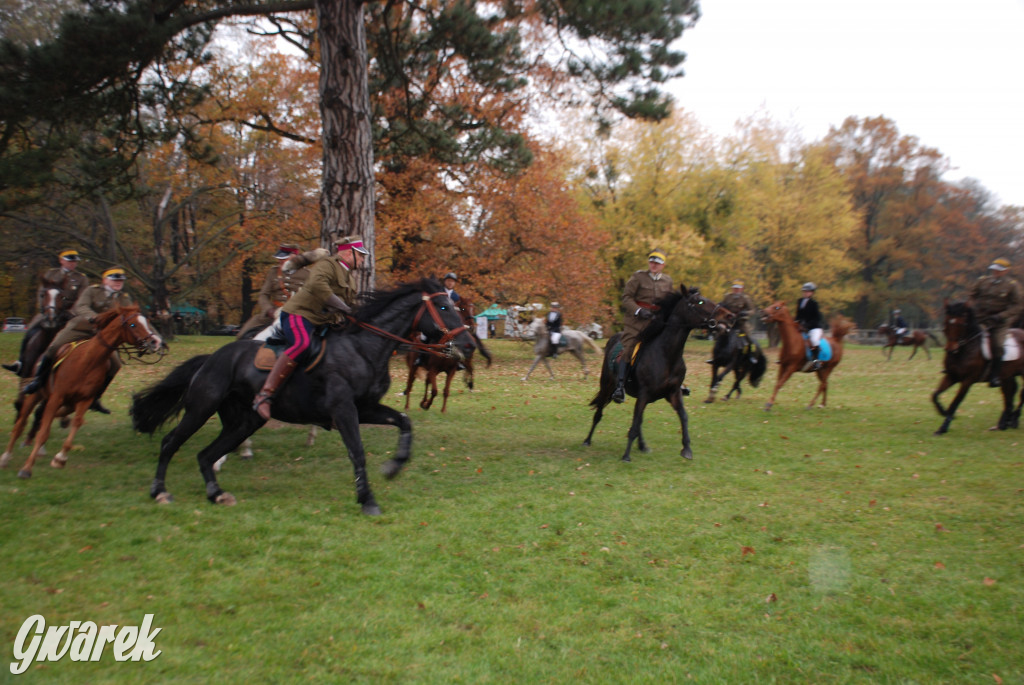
[{"x": 443, "y": 348}]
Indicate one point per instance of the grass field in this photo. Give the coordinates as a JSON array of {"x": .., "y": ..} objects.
[{"x": 838, "y": 545}]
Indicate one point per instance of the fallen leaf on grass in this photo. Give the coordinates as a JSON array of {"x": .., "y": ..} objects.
[
  {"x": 988, "y": 581},
  {"x": 746, "y": 550},
  {"x": 771, "y": 598},
  {"x": 939, "y": 564}
]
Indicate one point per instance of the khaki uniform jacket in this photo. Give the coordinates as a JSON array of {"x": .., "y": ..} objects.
[
  {"x": 640, "y": 288},
  {"x": 93, "y": 301},
  {"x": 326, "y": 276},
  {"x": 742, "y": 306},
  {"x": 997, "y": 300}
]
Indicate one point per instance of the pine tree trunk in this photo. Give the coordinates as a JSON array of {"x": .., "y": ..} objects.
[{"x": 347, "y": 200}]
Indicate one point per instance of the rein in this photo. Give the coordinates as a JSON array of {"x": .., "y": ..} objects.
[
  {"x": 440, "y": 349},
  {"x": 132, "y": 351}
]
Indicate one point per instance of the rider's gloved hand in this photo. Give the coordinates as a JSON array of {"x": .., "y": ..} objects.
[{"x": 644, "y": 313}]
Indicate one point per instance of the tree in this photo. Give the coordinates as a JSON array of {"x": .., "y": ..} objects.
[{"x": 616, "y": 52}]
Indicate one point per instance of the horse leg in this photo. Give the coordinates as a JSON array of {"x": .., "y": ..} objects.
[
  {"x": 634, "y": 428},
  {"x": 195, "y": 418},
  {"x": 913, "y": 352},
  {"x": 61, "y": 458},
  {"x": 346, "y": 419},
  {"x": 715, "y": 381},
  {"x": 536, "y": 360},
  {"x": 429, "y": 381},
  {"x": 1009, "y": 389},
  {"x": 951, "y": 410},
  {"x": 408, "y": 386},
  {"x": 583, "y": 361},
  {"x": 740, "y": 375},
  {"x": 676, "y": 400},
  {"x": 447, "y": 388},
  {"x": 19, "y": 427},
  {"x": 238, "y": 422},
  {"x": 383, "y": 415},
  {"x": 310, "y": 437},
  {"x": 822, "y": 388},
  {"x": 784, "y": 373},
  {"x": 42, "y": 436}
]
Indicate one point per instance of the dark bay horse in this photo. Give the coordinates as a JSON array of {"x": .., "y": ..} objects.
[
  {"x": 793, "y": 353},
  {"x": 965, "y": 364},
  {"x": 659, "y": 370},
  {"x": 731, "y": 356},
  {"x": 77, "y": 378},
  {"x": 433, "y": 365},
  {"x": 342, "y": 391},
  {"x": 55, "y": 312},
  {"x": 915, "y": 339}
]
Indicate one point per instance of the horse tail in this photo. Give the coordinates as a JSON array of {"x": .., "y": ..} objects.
[
  {"x": 593, "y": 344},
  {"x": 758, "y": 368},
  {"x": 840, "y": 327},
  {"x": 483, "y": 350},
  {"x": 934, "y": 339},
  {"x": 152, "y": 407}
]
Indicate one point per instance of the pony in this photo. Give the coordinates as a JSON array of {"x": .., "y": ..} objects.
[
  {"x": 77, "y": 378},
  {"x": 342, "y": 390},
  {"x": 576, "y": 343},
  {"x": 728, "y": 355},
  {"x": 433, "y": 365},
  {"x": 659, "y": 370},
  {"x": 964, "y": 363},
  {"x": 793, "y": 353},
  {"x": 919, "y": 339}
]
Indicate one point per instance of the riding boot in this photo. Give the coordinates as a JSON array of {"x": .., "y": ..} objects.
[
  {"x": 42, "y": 374},
  {"x": 994, "y": 381},
  {"x": 96, "y": 406},
  {"x": 619, "y": 396},
  {"x": 283, "y": 368},
  {"x": 815, "y": 364}
]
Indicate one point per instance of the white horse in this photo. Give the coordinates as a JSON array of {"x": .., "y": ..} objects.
[{"x": 575, "y": 343}]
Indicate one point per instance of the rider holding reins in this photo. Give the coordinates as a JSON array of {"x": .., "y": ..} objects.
[
  {"x": 642, "y": 290},
  {"x": 809, "y": 317}
]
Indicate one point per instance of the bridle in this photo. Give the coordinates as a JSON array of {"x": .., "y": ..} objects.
[
  {"x": 710, "y": 322},
  {"x": 137, "y": 349},
  {"x": 957, "y": 346},
  {"x": 442, "y": 348}
]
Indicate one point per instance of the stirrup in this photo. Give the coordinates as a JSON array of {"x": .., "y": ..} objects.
[{"x": 261, "y": 399}]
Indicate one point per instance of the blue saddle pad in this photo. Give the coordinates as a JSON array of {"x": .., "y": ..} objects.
[{"x": 824, "y": 354}]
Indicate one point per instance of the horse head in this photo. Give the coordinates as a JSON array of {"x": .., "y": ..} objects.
[
  {"x": 697, "y": 311},
  {"x": 959, "y": 325},
  {"x": 131, "y": 329},
  {"x": 51, "y": 306},
  {"x": 776, "y": 312}
]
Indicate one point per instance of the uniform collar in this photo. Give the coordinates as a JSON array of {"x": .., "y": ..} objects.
[{"x": 656, "y": 276}]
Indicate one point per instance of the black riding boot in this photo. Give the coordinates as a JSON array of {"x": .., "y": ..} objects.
[
  {"x": 96, "y": 406},
  {"x": 994, "y": 381},
  {"x": 42, "y": 374},
  {"x": 619, "y": 396},
  {"x": 815, "y": 364}
]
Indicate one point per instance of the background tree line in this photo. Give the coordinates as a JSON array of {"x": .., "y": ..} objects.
[{"x": 189, "y": 160}]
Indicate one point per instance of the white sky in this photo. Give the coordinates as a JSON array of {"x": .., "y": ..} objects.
[{"x": 948, "y": 72}]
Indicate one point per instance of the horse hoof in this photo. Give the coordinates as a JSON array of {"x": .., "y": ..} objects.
[
  {"x": 626, "y": 458},
  {"x": 5, "y": 459},
  {"x": 586, "y": 443},
  {"x": 768, "y": 406},
  {"x": 645, "y": 450},
  {"x": 163, "y": 498},
  {"x": 372, "y": 509},
  {"x": 24, "y": 475},
  {"x": 391, "y": 468},
  {"x": 686, "y": 454},
  {"x": 523, "y": 379},
  {"x": 227, "y": 499},
  {"x": 59, "y": 461}
]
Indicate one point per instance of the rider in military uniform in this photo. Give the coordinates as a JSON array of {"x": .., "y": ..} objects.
[
  {"x": 281, "y": 282},
  {"x": 642, "y": 290},
  {"x": 93, "y": 301},
  {"x": 63, "y": 278},
  {"x": 740, "y": 304},
  {"x": 997, "y": 299},
  {"x": 330, "y": 290}
]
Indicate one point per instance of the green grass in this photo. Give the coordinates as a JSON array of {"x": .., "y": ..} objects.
[{"x": 838, "y": 545}]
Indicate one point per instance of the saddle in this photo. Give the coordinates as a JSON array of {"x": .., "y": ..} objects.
[{"x": 272, "y": 348}]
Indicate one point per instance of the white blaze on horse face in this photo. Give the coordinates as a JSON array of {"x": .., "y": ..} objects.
[{"x": 152, "y": 339}]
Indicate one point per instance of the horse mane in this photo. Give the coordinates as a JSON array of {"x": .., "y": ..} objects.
[
  {"x": 840, "y": 326},
  {"x": 111, "y": 314},
  {"x": 376, "y": 301},
  {"x": 962, "y": 308},
  {"x": 666, "y": 306}
]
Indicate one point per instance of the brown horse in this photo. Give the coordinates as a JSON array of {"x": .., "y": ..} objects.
[
  {"x": 434, "y": 365},
  {"x": 917, "y": 339},
  {"x": 793, "y": 353},
  {"x": 77, "y": 378},
  {"x": 965, "y": 364}
]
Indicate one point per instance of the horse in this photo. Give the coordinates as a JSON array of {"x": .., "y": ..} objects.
[
  {"x": 78, "y": 377},
  {"x": 728, "y": 355},
  {"x": 575, "y": 345},
  {"x": 342, "y": 391},
  {"x": 965, "y": 364},
  {"x": 659, "y": 369},
  {"x": 793, "y": 353},
  {"x": 434, "y": 365},
  {"x": 55, "y": 312},
  {"x": 919, "y": 339}
]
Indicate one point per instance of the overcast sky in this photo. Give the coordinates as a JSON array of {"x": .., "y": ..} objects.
[{"x": 947, "y": 72}]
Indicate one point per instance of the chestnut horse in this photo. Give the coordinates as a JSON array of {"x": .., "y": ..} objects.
[
  {"x": 919, "y": 339},
  {"x": 793, "y": 353},
  {"x": 77, "y": 378},
  {"x": 434, "y": 365},
  {"x": 965, "y": 364}
]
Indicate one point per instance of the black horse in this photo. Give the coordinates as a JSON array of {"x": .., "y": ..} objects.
[
  {"x": 731, "y": 354},
  {"x": 659, "y": 370},
  {"x": 342, "y": 391},
  {"x": 53, "y": 315},
  {"x": 965, "y": 364}
]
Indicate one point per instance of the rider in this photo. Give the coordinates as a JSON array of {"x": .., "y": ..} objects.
[
  {"x": 809, "y": 317},
  {"x": 330, "y": 289},
  {"x": 997, "y": 300},
  {"x": 898, "y": 325},
  {"x": 642, "y": 290},
  {"x": 554, "y": 323},
  {"x": 450, "y": 279},
  {"x": 740, "y": 304},
  {"x": 93, "y": 301},
  {"x": 63, "y": 278},
  {"x": 281, "y": 282}
]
